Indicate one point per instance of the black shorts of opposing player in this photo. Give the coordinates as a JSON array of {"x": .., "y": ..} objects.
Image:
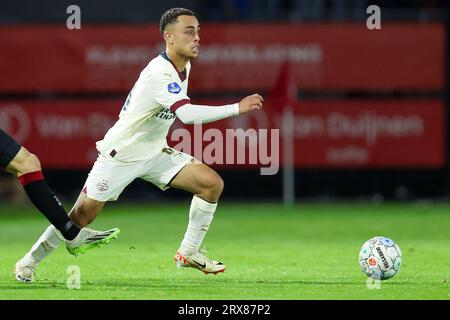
[{"x": 9, "y": 148}]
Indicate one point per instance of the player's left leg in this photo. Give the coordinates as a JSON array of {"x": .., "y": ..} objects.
[
  {"x": 175, "y": 169},
  {"x": 200, "y": 180},
  {"x": 207, "y": 186}
]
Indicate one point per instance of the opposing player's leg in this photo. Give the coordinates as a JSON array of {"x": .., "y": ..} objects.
[
  {"x": 26, "y": 166},
  {"x": 207, "y": 186}
]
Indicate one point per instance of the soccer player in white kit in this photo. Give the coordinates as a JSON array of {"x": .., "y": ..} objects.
[{"x": 136, "y": 146}]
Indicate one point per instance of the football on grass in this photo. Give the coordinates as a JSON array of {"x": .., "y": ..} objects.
[{"x": 380, "y": 258}]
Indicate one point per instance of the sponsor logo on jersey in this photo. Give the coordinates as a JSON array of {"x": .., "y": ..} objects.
[
  {"x": 165, "y": 114},
  {"x": 174, "y": 88}
]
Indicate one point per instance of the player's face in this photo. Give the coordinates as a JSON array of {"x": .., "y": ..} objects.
[{"x": 186, "y": 38}]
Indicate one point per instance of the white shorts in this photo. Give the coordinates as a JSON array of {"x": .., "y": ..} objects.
[{"x": 109, "y": 177}]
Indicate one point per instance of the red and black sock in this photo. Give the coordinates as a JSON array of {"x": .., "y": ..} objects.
[{"x": 48, "y": 204}]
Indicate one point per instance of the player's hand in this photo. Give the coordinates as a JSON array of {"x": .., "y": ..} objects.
[{"x": 253, "y": 102}]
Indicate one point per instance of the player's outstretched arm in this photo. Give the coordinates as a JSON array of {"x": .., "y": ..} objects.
[
  {"x": 191, "y": 113},
  {"x": 252, "y": 102}
]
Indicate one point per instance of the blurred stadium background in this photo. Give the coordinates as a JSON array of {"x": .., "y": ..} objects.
[
  {"x": 370, "y": 110},
  {"x": 370, "y": 105}
]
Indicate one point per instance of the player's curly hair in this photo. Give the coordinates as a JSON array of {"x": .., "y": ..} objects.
[{"x": 171, "y": 16}]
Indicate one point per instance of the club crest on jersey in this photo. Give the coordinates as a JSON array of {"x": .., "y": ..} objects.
[
  {"x": 174, "y": 88},
  {"x": 103, "y": 185}
]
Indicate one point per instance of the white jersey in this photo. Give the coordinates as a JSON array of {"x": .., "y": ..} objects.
[{"x": 148, "y": 112}]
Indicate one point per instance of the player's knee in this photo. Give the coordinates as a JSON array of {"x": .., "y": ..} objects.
[
  {"x": 213, "y": 187},
  {"x": 219, "y": 186},
  {"x": 33, "y": 163},
  {"x": 29, "y": 163}
]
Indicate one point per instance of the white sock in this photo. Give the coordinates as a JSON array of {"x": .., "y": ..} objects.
[
  {"x": 45, "y": 245},
  {"x": 201, "y": 214}
]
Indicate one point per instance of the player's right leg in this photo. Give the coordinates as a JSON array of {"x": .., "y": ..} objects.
[
  {"x": 106, "y": 181},
  {"x": 84, "y": 211}
]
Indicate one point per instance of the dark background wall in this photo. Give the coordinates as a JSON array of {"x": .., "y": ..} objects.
[{"x": 376, "y": 184}]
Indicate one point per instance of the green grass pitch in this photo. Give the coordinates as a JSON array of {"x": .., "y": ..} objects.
[{"x": 307, "y": 252}]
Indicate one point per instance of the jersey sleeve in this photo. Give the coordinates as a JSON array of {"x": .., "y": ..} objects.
[
  {"x": 169, "y": 92},
  {"x": 190, "y": 114}
]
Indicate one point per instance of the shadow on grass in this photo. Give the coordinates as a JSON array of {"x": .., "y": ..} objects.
[
  {"x": 186, "y": 284},
  {"x": 146, "y": 283}
]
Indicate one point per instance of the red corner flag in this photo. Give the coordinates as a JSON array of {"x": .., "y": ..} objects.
[
  {"x": 282, "y": 97},
  {"x": 283, "y": 93}
]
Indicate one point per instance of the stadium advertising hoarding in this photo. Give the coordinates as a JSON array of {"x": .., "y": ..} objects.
[
  {"x": 108, "y": 58},
  {"x": 373, "y": 134},
  {"x": 329, "y": 134}
]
